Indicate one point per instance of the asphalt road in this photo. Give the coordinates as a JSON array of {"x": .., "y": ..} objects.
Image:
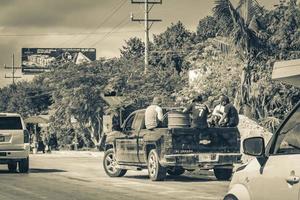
[{"x": 80, "y": 176}]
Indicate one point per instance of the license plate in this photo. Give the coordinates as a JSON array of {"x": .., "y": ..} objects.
[
  {"x": 2, "y": 138},
  {"x": 2, "y": 153},
  {"x": 208, "y": 158}
]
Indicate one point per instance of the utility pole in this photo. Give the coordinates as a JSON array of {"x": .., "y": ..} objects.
[
  {"x": 147, "y": 27},
  {"x": 13, "y": 76}
]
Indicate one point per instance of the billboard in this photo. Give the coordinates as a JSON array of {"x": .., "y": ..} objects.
[{"x": 35, "y": 60}]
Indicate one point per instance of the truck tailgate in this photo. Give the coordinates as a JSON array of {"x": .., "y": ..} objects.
[{"x": 219, "y": 140}]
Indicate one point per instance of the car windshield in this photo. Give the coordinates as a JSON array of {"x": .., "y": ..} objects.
[
  {"x": 289, "y": 137},
  {"x": 10, "y": 123}
]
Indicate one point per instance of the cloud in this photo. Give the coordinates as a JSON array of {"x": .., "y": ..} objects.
[{"x": 45, "y": 13}]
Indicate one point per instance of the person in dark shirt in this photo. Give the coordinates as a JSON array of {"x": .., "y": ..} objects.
[
  {"x": 230, "y": 117},
  {"x": 199, "y": 113}
]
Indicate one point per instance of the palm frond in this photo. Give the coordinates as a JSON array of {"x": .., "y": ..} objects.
[
  {"x": 222, "y": 10},
  {"x": 225, "y": 10},
  {"x": 248, "y": 9}
]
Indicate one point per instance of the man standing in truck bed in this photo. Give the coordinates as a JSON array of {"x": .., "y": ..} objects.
[
  {"x": 199, "y": 113},
  {"x": 230, "y": 117},
  {"x": 154, "y": 114}
]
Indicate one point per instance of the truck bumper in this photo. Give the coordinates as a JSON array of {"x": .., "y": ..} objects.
[
  {"x": 9, "y": 156},
  {"x": 201, "y": 160}
]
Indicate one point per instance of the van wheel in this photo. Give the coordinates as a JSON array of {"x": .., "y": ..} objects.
[
  {"x": 24, "y": 165},
  {"x": 230, "y": 197},
  {"x": 175, "y": 171},
  {"x": 223, "y": 174},
  {"x": 110, "y": 163},
  {"x": 155, "y": 170},
  {"x": 12, "y": 167}
]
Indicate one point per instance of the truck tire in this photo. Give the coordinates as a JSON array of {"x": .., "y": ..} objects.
[
  {"x": 110, "y": 163},
  {"x": 155, "y": 170},
  {"x": 24, "y": 165},
  {"x": 223, "y": 174},
  {"x": 12, "y": 167},
  {"x": 175, "y": 171}
]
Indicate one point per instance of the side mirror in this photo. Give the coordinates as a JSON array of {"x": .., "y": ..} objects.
[{"x": 254, "y": 146}]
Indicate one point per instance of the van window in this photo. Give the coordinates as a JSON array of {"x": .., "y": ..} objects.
[
  {"x": 288, "y": 141},
  {"x": 10, "y": 123}
]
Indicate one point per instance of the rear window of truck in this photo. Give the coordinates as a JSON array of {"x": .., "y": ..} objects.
[{"x": 10, "y": 123}]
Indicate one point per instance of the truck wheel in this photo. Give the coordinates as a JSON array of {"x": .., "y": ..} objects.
[
  {"x": 223, "y": 174},
  {"x": 24, "y": 165},
  {"x": 155, "y": 170},
  {"x": 110, "y": 164},
  {"x": 175, "y": 171},
  {"x": 12, "y": 167}
]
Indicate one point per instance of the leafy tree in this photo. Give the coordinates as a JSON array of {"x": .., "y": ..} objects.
[
  {"x": 245, "y": 28},
  {"x": 25, "y": 98},
  {"x": 208, "y": 27},
  {"x": 282, "y": 25},
  {"x": 134, "y": 49},
  {"x": 171, "y": 46},
  {"x": 78, "y": 96}
]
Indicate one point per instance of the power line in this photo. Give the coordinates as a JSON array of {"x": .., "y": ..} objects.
[
  {"x": 106, "y": 19},
  {"x": 62, "y": 34},
  {"x": 114, "y": 29},
  {"x": 13, "y": 74}
]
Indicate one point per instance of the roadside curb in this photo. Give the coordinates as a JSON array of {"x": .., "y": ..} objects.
[{"x": 72, "y": 154}]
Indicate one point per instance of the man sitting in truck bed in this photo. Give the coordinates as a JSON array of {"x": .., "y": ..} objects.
[{"x": 154, "y": 114}]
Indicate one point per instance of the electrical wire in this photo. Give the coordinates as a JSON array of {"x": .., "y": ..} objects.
[
  {"x": 115, "y": 10},
  {"x": 62, "y": 34},
  {"x": 114, "y": 29}
]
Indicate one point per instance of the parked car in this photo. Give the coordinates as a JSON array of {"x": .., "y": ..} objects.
[
  {"x": 170, "y": 150},
  {"x": 275, "y": 173},
  {"x": 14, "y": 142}
]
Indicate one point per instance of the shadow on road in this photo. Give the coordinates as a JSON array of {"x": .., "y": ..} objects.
[
  {"x": 35, "y": 170},
  {"x": 182, "y": 178}
]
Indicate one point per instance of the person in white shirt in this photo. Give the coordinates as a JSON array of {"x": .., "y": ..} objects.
[
  {"x": 216, "y": 115},
  {"x": 154, "y": 114},
  {"x": 218, "y": 111}
]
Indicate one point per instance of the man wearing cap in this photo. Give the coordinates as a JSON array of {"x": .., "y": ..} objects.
[
  {"x": 154, "y": 114},
  {"x": 199, "y": 113},
  {"x": 230, "y": 118}
]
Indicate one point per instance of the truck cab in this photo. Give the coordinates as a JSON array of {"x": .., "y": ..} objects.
[
  {"x": 14, "y": 142},
  {"x": 170, "y": 150}
]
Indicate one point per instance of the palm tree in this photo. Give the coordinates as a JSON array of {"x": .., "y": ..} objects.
[{"x": 242, "y": 24}]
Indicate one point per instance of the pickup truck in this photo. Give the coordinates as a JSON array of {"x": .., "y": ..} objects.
[{"x": 170, "y": 150}]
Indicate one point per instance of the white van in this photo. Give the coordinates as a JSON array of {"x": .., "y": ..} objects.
[
  {"x": 14, "y": 142},
  {"x": 275, "y": 173}
]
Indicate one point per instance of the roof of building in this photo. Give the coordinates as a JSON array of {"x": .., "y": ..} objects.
[
  {"x": 40, "y": 119},
  {"x": 287, "y": 71},
  {"x": 9, "y": 115},
  {"x": 116, "y": 101}
]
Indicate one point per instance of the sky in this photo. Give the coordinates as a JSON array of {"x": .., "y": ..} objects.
[{"x": 100, "y": 24}]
